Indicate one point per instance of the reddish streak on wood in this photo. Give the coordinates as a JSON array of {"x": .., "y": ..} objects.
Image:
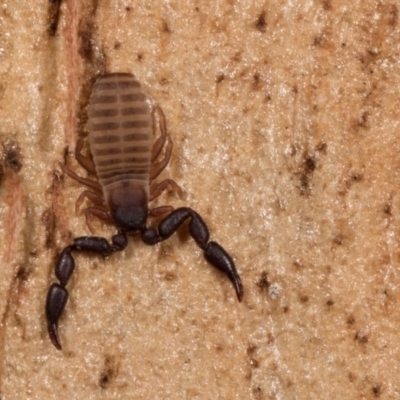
[
  {"x": 14, "y": 216},
  {"x": 72, "y": 59}
]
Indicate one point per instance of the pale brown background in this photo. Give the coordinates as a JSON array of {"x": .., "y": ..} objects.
[{"x": 285, "y": 119}]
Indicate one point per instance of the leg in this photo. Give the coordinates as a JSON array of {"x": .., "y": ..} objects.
[
  {"x": 93, "y": 197},
  {"x": 99, "y": 213},
  {"x": 157, "y": 168},
  {"x": 86, "y": 162},
  {"x": 57, "y": 295},
  {"x": 162, "y": 210},
  {"x": 85, "y": 181},
  {"x": 164, "y": 185},
  {"x": 159, "y": 143},
  {"x": 213, "y": 252}
]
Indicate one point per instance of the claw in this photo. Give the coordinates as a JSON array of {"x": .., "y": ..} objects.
[
  {"x": 217, "y": 256},
  {"x": 56, "y": 299}
]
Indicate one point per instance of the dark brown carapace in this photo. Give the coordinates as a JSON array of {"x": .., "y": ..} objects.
[{"x": 124, "y": 158}]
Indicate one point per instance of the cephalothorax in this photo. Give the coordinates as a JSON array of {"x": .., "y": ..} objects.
[{"x": 124, "y": 159}]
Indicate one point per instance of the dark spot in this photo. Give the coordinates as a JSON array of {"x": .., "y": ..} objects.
[
  {"x": 361, "y": 338},
  {"x": 326, "y": 4},
  {"x": 376, "y": 390},
  {"x": 306, "y": 171},
  {"x": 254, "y": 363},
  {"x": 309, "y": 164},
  {"x": 263, "y": 282},
  {"x": 303, "y": 298},
  {"x": 295, "y": 89},
  {"x": 297, "y": 264},
  {"x": 356, "y": 177},
  {"x": 140, "y": 57},
  {"x": 169, "y": 276},
  {"x": 165, "y": 27},
  {"x": 117, "y": 46},
  {"x": 104, "y": 381},
  {"x": 351, "y": 377},
  {"x": 317, "y": 40},
  {"x": 251, "y": 349},
  {"x": 330, "y": 303},
  {"x": 285, "y": 309},
  {"x": 23, "y": 273},
  {"x": 197, "y": 9},
  {"x": 338, "y": 239},
  {"x": 387, "y": 209},
  {"x": 256, "y": 81},
  {"x": 250, "y": 353},
  {"x": 48, "y": 221},
  {"x": 164, "y": 81},
  {"x": 219, "y": 78},
  {"x": 53, "y": 17},
  {"x": 12, "y": 156},
  {"x": 110, "y": 370},
  {"x": 85, "y": 35},
  {"x": 321, "y": 148},
  {"x": 127, "y": 8},
  {"x": 350, "y": 320},
  {"x": 261, "y": 22},
  {"x": 304, "y": 184},
  {"x": 257, "y": 391}
]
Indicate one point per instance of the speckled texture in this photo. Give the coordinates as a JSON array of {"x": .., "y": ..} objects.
[{"x": 285, "y": 120}]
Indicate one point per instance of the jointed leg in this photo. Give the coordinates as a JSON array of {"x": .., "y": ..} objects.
[
  {"x": 213, "y": 252},
  {"x": 92, "y": 196},
  {"x": 85, "y": 181},
  {"x": 164, "y": 185},
  {"x": 85, "y": 161},
  {"x": 57, "y": 295},
  {"x": 162, "y": 210},
  {"x": 159, "y": 143},
  {"x": 99, "y": 213},
  {"x": 158, "y": 167}
]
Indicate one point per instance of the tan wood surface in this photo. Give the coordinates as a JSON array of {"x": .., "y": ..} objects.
[{"x": 285, "y": 120}]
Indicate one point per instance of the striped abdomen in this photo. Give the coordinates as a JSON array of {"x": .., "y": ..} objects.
[{"x": 120, "y": 131}]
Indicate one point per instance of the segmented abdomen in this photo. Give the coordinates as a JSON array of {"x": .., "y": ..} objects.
[{"x": 120, "y": 130}]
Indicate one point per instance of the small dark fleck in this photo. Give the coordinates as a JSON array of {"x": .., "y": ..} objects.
[
  {"x": 117, "y": 45},
  {"x": 140, "y": 57},
  {"x": 86, "y": 42},
  {"x": 22, "y": 273},
  {"x": 321, "y": 147},
  {"x": 220, "y": 78},
  {"x": 327, "y": 5},
  {"x": 387, "y": 209},
  {"x": 285, "y": 309},
  {"x": 165, "y": 27},
  {"x": 376, "y": 390},
  {"x": 263, "y": 281},
  {"x": 127, "y": 9},
  {"x": 104, "y": 381},
  {"x": 338, "y": 239},
  {"x": 12, "y": 156},
  {"x": 361, "y": 338},
  {"x": 261, "y": 23},
  {"x": 356, "y": 177},
  {"x": 330, "y": 303},
  {"x": 169, "y": 276},
  {"x": 53, "y": 17},
  {"x": 303, "y": 298},
  {"x": 350, "y": 320},
  {"x": 256, "y": 80},
  {"x": 309, "y": 164}
]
